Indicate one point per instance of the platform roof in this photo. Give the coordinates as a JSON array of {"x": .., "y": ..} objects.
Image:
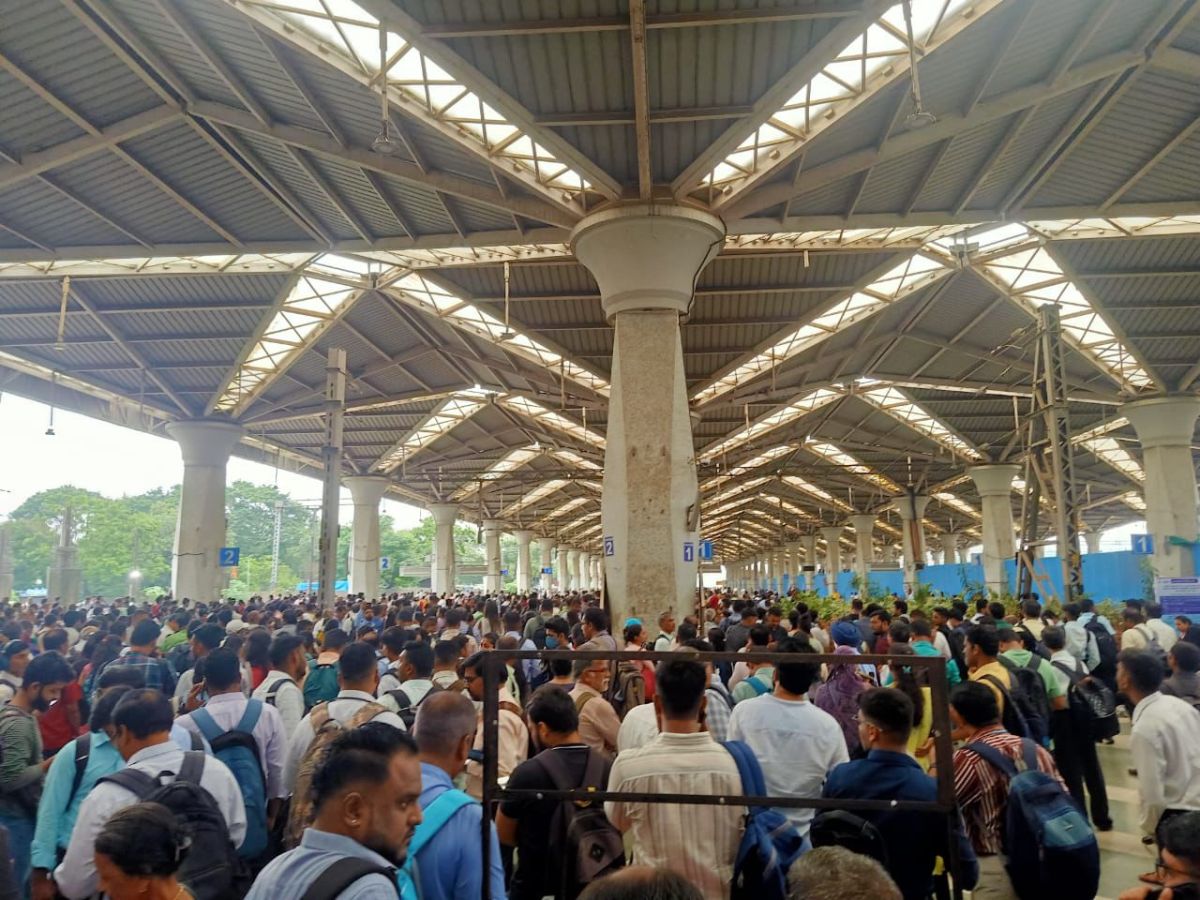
[{"x": 194, "y": 209}]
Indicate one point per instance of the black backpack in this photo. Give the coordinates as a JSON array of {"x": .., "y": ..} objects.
[
  {"x": 838, "y": 828},
  {"x": 580, "y": 834},
  {"x": 1028, "y": 693},
  {"x": 1106, "y": 644},
  {"x": 342, "y": 873},
  {"x": 1092, "y": 705},
  {"x": 212, "y": 869},
  {"x": 406, "y": 709}
]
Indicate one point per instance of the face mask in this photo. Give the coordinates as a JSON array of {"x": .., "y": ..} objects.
[{"x": 551, "y": 642}]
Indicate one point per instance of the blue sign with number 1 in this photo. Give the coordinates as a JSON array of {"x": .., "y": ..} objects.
[
  {"x": 1142, "y": 543},
  {"x": 689, "y": 552},
  {"x": 229, "y": 556}
]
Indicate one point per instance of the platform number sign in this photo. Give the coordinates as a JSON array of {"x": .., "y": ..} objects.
[
  {"x": 706, "y": 551},
  {"x": 229, "y": 556},
  {"x": 689, "y": 552},
  {"x": 610, "y": 546},
  {"x": 385, "y": 563},
  {"x": 1143, "y": 544}
]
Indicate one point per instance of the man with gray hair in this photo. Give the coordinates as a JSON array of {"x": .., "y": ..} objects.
[
  {"x": 834, "y": 873},
  {"x": 598, "y": 721},
  {"x": 445, "y": 846}
]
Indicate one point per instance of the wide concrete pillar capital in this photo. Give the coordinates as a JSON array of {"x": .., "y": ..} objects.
[
  {"x": 1163, "y": 421},
  {"x": 366, "y": 490},
  {"x": 863, "y": 522},
  {"x": 646, "y": 256},
  {"x": 994, "y": 480},
  {"x": 911, "y": 507},
  {"x": 832, "y": 533},
  {"x": 205, "y": 442},
  {"x": 492, "y": 525},
  {"x": 523, "y": 535},
  {"x": 443, "y": 513}
]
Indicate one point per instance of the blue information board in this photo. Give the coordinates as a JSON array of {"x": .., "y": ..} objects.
[
  {"x": 1178, "y": 596},
  {"x": 547, "y": 570},
  {"x": 229, "y": 557},
  {"x": 706, "y": 551}
]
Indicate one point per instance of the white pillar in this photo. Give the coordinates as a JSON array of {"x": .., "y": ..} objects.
[
  {"x": 833, "y": 554},
  {"x": 491, "y": 555},
  {"x": 576, "y": 569},
  {"x": 911, "y": 509},
  {"x": 949, "y": 540},
  {"x": 366, "y": 491},
  {"x": 200, "y": 531},
  {"x": 524, "y": 537},
  {"x": 646, "y": 259},
  {"x": 442, "y": 568},
  {"x": 794, "y": 563},
  {"x": 864, "y": 527},
  {"x": 562, "y": 567},
  {"x": 809, "y": 543},
  {"x": 1164, "y": 427},
  {"x": 993, "y": 483},
  {"x": 1092, "y": 538},
  {"x": 545, "y": 549}
]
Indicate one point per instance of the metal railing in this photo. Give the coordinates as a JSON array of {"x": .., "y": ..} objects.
[{"x": 494, "y": 674}]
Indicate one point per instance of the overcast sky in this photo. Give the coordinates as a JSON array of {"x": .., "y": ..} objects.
[{"x": 114, "y": 461}]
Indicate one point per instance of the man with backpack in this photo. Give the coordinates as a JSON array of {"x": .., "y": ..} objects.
[
  {"x": 199, "y": 789},
  {"x": 281, "y": 687},
  {"x": 546, "y": 832},
  {"x": 408, "y": 684},
  {"x": 1101, "y": 630},
  {"x": 682, "y": 759},
  {"x": 1035, "y": 688},
  {"x": 205, "y": 639},
  {"x": 246, "y": 735},
  {"x": 321, "y": 682},
  {"x": 1005, "y": 788},
  {"x": 75, "y": 771},
  {"x": 914, "y": 840},
  {"x": 353, "y": 705},
  {"x": 365, "y": 791},
  {"x": 445, "y": 852},
  {"x": 1077, "y": 728},
  {"x": 598, "y": 721}
]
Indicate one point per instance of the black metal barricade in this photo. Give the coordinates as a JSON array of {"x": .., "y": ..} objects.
[{"x": 493, "y": 664}]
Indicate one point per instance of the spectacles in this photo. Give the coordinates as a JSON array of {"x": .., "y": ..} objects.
[{"x": 1163, "y": 870}]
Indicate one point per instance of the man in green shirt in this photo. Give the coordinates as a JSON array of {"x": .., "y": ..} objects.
[
  {"x": 1012, "y": 648},
  {"x": 177, "y": 631},
  {"x": 21, "y": 765}
]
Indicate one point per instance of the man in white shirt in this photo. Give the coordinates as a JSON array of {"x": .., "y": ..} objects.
[
  {"x": 699, "y": 844},
  {"x": 1163, "y": 743},
  {"x": 358, "y": 678},
  {"x": 666, "y": 633},
  {"x": 223, "y": 712},
  {"x": 797, "y": 744},
  {"x": 142, "y": 725},
  {"x": 513, "y": 733},
  {"x": 281, "y": 687},
  {"x": 1080, "y": 644},
  {"x": 407, "y": 684}
]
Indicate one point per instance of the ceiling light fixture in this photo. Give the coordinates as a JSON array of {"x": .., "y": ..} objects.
[
  {"x": 919, "y": 117},
  {"x": 507, "y": 334},
  {"x": 383, "y": 143}
]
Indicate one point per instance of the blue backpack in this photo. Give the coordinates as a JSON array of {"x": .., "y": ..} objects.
[
  {"x": 239, "y": 751},
  {"x": 1050, "y": 848},
  {"x": 770, "y": 843},
  {"x": 321, "y": 684},
  {"x": 433, "y": 817}
]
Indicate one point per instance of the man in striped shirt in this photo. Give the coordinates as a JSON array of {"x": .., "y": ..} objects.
[{"x": 982, "y": 789}]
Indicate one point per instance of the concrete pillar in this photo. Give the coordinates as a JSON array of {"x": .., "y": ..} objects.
[
  {"x": 524, "y": 538},
  {"x": 833, "y": 554},
  {"x": 911, "y": 509},
  {"x": 864, "y": 528},
  {"x": 366, "y": 491},
  {"x": 994, "y": 486},
  {"x": 6, "y": 563},
  {"x": 577, "y": 578},
  {"x": 645, "y": 259},
  {"x": 545, "y": 549},
  {"x": 205, "y": 446},
  {"x": 442, "y": 568},
  {"x": 1164, "y": 427},
  {"x": 491, "y": 555},
  {"x": 795, "y": 576},
  {"x": 809, "y": 543},
  {"x": 64, "y": 577},
  {"x": 562, "y": 570},
  {"x": 1092, "y": 539},
  {"x": 949, "y": 541}
]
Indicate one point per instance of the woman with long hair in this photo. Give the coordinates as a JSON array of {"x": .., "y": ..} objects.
[{"x": 138, "y": 852}]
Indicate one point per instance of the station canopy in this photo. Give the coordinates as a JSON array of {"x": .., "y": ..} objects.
[{"x": 199, "y": 199}]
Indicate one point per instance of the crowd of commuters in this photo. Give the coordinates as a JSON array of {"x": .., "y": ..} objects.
[{"x": 281, "y": 751}]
